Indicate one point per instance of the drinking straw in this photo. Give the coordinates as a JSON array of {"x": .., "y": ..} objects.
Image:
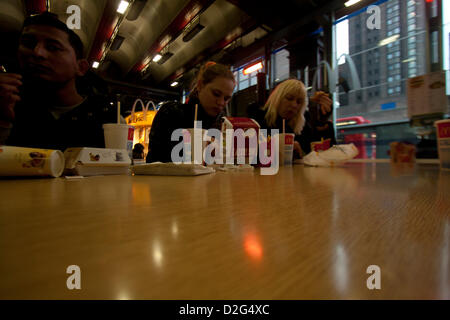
[
  {"x": 118, "y": 109},
  {"x": 195, "y": 116},
  {"x": 284, "y": 125}
]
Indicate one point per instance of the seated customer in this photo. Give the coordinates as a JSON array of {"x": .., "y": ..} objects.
[
  {"x": 213, "y": 90},
  {"x": 41, "y": 107},
  {"x": 138, "y": 151},
  {"x": 288, "y": 101}
]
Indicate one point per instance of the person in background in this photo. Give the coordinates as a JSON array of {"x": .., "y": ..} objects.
[
  {"x": 289, "y": 101},
  {"x": 138, "y": 151},
  {"x": 212, "y": 91},
  {"x": 40, "y": 105}
]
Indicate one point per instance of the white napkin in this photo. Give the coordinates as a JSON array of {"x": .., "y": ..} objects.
[
  {"x": 171, "y": 169},
  {"x": 334, "y": 156}
]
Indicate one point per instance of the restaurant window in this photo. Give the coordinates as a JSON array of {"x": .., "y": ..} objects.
[
  {"x": 280, "y": 65},
  {"x": 244, "y": 81},
  {"x": 446, "y": 40},
  {"x": 396, "y": 61}
]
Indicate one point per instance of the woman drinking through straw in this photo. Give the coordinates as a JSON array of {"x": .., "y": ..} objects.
[{"x": 212, "y": 91}]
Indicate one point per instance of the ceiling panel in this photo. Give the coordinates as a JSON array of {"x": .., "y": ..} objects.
[
  {"x": 91, "y": 13},
  {"x": 12, "y": 14},
  {"x": 240, "y": 22},
  {"x": 219, "y": 19},
  {"x": 144, "y": 31}
]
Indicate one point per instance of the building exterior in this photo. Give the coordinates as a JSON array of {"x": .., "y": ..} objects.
[{"x": 383, "y": 67}]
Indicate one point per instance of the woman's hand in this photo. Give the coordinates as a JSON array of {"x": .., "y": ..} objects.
[{"x": 323, "y": 100}]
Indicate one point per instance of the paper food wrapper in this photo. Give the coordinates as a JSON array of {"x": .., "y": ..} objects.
[
  {"x": 96, "y": 161},
  {"x": 171, "y": 169},
  {"x": 336, "y": 155},
  {"x": 251, "y": 131},
  {"x": 17, "y": 161},
  {"x": 321, "y": 145}
]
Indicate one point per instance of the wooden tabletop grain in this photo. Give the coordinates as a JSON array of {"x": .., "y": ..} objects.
[{"x": 305, "y": 233}]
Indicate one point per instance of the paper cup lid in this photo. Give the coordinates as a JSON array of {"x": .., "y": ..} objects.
[
  {"x": 112, "y": 125},
  {"x": 57, "y": 162},
  {"x": 441, "y": 121}
]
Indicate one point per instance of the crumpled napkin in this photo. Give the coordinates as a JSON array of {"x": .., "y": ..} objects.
[
  {"x": 336, "y": 155},
  {"x": 171, "y": 169}
]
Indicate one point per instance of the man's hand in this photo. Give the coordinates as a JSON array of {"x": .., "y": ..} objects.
[
  {"x": 323, "y": 100},
  {"x": 9, "y": 95}
]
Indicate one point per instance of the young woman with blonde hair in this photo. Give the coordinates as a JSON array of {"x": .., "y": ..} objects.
[{"x": 289, "y": 102}]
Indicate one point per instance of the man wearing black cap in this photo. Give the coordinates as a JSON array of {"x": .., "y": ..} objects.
[{"x": 41, "y": 107}]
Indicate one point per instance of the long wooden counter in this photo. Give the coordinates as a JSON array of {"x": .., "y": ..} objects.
[{"x": 305, "y": 233}]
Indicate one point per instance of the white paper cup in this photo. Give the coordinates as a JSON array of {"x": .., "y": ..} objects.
[
  {"x": 286, "y": 148},
  {"x": 190, "y": 138},
  {"x": 16, "y": 161},
  {"x": 118, "y": 136},
  {"x": 443, "y": 142}
]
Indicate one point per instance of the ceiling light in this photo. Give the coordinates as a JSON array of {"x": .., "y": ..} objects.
[
  {"x": 95, "y": 64},
  {"x": 174, "y": 84},
  {"x": 252, "y": 68},
  {"x": 165, "y": 57},
  {"x": 351, "y": 2},
  {"x": 157, "y": 57},
  {"x": 388, "y": 40},
  {"x": 123, "y": 6}
]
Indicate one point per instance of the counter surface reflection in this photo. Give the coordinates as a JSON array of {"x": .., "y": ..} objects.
[{"x": 306, "y": 233}]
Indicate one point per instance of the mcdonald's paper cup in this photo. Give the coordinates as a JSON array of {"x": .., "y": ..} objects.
[
  {"x": 286, "y": 148},
  {"x": 118, "y": 136},
  {"x": 443, "y": 141},
  {"x": 16, "y": 161}
]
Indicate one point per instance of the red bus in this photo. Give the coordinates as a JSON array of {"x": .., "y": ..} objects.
[{"x": 349, "y": 121}]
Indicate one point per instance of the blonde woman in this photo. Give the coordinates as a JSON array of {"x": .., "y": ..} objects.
[{"x": 289, "y": 101}]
